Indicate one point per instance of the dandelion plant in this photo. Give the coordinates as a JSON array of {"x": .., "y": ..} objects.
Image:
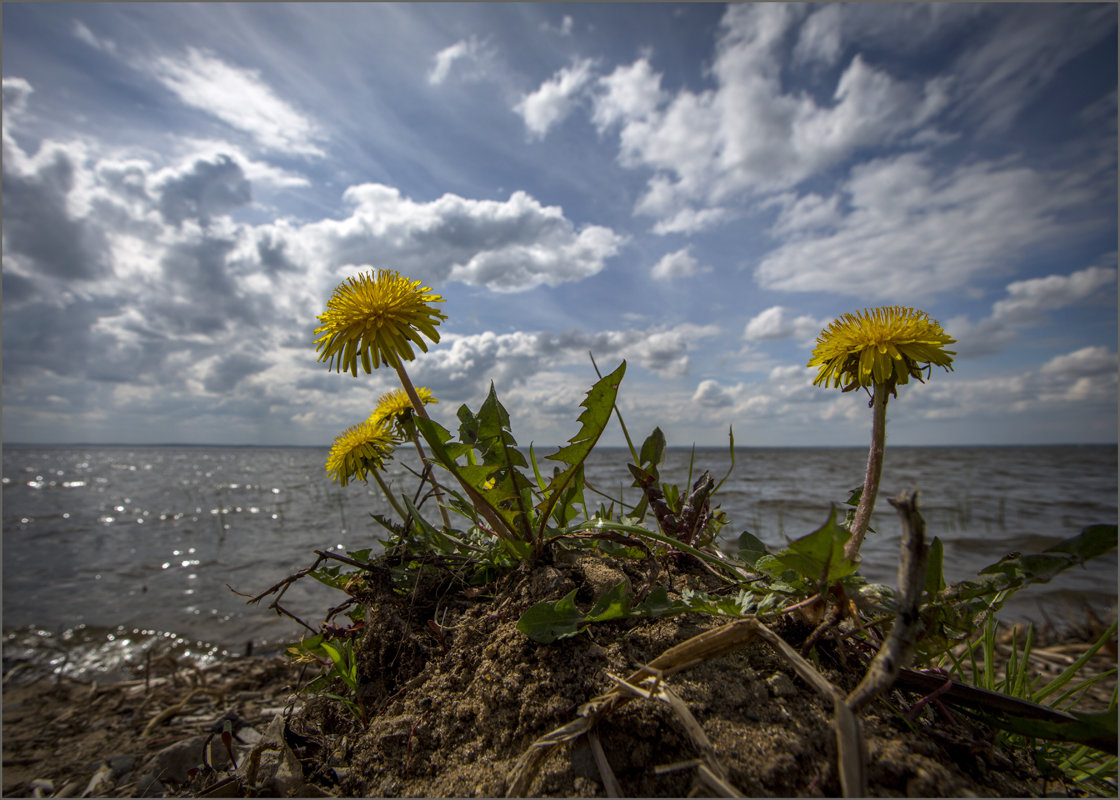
[{"x": 880, "y": 349}]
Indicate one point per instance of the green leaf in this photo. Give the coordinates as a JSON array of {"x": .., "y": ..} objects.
[
  {"x": 817, "y": 557},
  {"x": 653, "y": 451},
  {"x": 1093, "y": 541},
  {"x": 597, "y": 413},
  {"x": 1097, "y": 729},
  {"x": 614, "y": 604},
  {"x": 658, "y": 604},
  {"x": 935, "y": 572},
  {"x": 548, "y": 621},
  {"x": 751, "y": 548},
  {"x": 471, "y": 478}
]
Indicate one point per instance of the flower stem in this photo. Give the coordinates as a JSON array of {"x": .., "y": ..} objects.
[
  {"x": 418, "y": 407},
  {"x": 874, "y": 471},
  {"x": 389, "y": 496}
]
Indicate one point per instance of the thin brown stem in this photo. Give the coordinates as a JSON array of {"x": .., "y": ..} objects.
[{"x": 874, "y": 471}]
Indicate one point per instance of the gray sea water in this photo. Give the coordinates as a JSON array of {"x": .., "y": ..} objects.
[{"x": 114, "y": 552}]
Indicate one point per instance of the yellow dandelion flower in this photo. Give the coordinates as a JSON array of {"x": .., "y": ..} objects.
[
  {"x": 395, "y": 408},
  {"x": 359, "y": 449},
  {"x": 887, "y": 345},
  {"x": 375, "y": 318}
]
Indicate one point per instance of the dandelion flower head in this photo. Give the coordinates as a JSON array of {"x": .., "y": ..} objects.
[
  {"x": 377, "y": 319},
  {"x": 359, "y": 449},
  {"x": 887, "y": 345},
  {"x": 395, "y": 408}
]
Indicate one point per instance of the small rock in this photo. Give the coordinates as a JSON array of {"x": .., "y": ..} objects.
[
  {"x": 42, "y": 787},
  {"x": 149, "y": 785},
  {"x": 780, "y": 685},
  {"x": 173, "y": 763},
  {"x": 122, "y": 765}
]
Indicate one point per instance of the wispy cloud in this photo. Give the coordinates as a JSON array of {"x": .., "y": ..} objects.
[
  {"x": 469, "y": 52},
  {"x": 910, "y": 231},
  {"x": 240, "y": 98}
]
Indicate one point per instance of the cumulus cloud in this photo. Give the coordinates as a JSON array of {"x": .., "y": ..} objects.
[
  {"x": 711, "y": 394},
  {"x": 630, "y": 92},
  {"x": 462, "y": 362},
  {"x": 779, "y": 322},
  {"x": 507, "y": 246},
  {"x": 554, "y": 99},
  {"x": 126, "y": 273},
  {"x": 16, "y": 92},
  {"x": 206, "y": 189},
  {"x": 240, "y": 98},
  {"x": 750, "y": 134},
  {"x": 39, "y": 228},
  {"x": 909, "y": 231},
  {"x": 679, "y": 264}
]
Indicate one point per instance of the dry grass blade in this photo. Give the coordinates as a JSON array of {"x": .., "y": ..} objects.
[
  {"x": 610, "y": 782},
  {"x": 851, "y": 750},
  {"x": 898, "y": 649}
]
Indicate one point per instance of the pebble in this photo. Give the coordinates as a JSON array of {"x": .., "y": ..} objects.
[
  {"x": 780, "y": 685},
  {"x": 42, "y": 787}
]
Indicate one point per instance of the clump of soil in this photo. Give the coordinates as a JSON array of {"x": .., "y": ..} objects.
[
  {"x": 455, "y": 708},
  {"x": 455, "y": 694}
]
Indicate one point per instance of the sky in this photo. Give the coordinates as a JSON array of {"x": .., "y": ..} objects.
[{"x": 698, "y": 189}]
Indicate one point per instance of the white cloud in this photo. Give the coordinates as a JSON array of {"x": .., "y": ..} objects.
[
  {"x": 1082, "y": 363},
  {"x": 691, "y": 220},
  {"x": 469, "y": 51},
  {"x": 911, "y": 232},
  {"x": 778, "y": 322},
  {"x": 16, "y": 92},
  {"x": 462, "y": 364},
  {"x": 1004, "y": 74},
  {"x": 629, "y": 93},
  {"x": 711, "y": 394},
  {"x": 241, "y": 99},
  {"x": 507, "y": 246},
  {"x": 84, "y": 34},
  {"x": 820, "y": 37},
  {"x": 553, "y": 100},
  {"x": 1030, "y": 298},
  {"x": 1026, "y": 305},
  {"x": 749, "y": 134},
  {"x": 679, "y": 264}
]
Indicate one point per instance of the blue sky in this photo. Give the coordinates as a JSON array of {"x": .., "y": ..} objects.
[{"x": 698, "y": 189}]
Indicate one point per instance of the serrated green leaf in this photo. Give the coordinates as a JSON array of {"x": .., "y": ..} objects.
[
  {"x": 817, "y": 557},
  {"x": 597, "y": 405}
]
